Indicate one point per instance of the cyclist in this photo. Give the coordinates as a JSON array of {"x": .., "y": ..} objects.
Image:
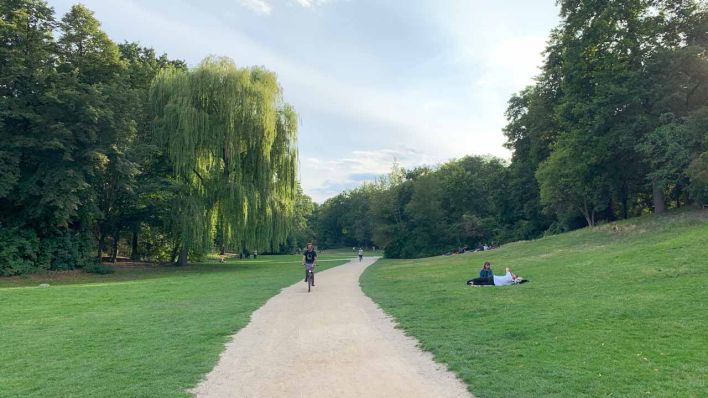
[
  {"x": 361, "y": 254},
  {"x": 309, "y": 260}
]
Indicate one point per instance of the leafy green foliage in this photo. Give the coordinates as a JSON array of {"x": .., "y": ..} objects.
[
  {"x": 50, "y": 146},
  {"x": 232, "y": 144},
  {"x": 608, "y": 125},
  {"x": 698, "y": 173},
  {"x": 18, "y": 251},
  {"x": 613, "y": 126},
  {"x": 425, "y": 211},
  {"x": 78, "y": 159},
  {"x": 303, "y": 221}
]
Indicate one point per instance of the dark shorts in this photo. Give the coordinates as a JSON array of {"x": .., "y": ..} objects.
[{"x": 481, "y": 281}]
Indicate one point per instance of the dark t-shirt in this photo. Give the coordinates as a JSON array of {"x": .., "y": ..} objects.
[{"x": 310, "y": 256}]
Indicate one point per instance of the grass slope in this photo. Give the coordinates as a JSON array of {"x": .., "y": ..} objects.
[
  {"x": 137, "y": 333},
  {"x": 618, "y": 310}
]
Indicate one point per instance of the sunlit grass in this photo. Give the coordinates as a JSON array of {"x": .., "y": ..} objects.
[
  {"x": 141, "y": 332},
  {"x": 619, "y": 310}
]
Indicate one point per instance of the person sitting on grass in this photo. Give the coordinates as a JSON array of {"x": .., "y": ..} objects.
[
  {"x": 507, "y": 279},
  {"x": 486, "y": 271}
]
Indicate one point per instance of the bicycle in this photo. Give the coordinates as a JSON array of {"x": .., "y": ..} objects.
[{"x": 310, "y": 278}]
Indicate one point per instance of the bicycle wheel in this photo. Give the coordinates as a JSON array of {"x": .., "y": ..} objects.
[{"x": 309, "y": 281}]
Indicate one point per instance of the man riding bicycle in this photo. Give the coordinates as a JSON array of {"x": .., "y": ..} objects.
[{"x": 309, "y": 260}]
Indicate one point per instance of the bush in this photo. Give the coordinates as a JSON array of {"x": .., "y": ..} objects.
[
  {"x": 154, "y": 244},
  {"x": 70, "y": 249},
  {"x": 22, "y": 251},
  {"x": 99, "y": 269},
  {"x": 18, "y": 251},
  {"x": 698, "y": 173}
]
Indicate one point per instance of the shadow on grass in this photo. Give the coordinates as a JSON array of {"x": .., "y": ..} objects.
[{"x": 134, "y": 272}]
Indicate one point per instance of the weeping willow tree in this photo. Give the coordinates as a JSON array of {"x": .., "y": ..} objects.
[{"x": 232, "y": 142}]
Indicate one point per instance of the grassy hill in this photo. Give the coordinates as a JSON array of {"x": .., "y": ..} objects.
[
  {"x": 617, "y": 310},
  {"x": 150, "y": 332}
]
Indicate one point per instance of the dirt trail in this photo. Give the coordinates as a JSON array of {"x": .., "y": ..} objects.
[{"x": 333, "y": 342}]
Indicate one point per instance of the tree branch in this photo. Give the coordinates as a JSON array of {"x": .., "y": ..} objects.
[{"x": 199, "y": 175}]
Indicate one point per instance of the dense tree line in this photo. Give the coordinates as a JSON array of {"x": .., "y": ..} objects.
[
  {"x": 615, "y": 126},
  {"x": 109, "y": 147},
  {"x": 428, "y": 211}
]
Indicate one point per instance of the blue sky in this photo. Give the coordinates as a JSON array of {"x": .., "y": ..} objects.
[{"x": 372, "y": 81}]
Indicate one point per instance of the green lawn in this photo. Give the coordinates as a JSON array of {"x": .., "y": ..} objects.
[
  {"x": 619, "y": 310},
  {"x": 135, "y": 333}
]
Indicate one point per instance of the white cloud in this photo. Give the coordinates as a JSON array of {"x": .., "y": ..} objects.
[
  {"x": 328, "y": 177},
  {"x": 483, "y": 59},
  {"x": 432, "y": 127},
  {"x": 311, "y": 3},
  {"x": 513, "y": 62},
  {"x": 257, "y": 6}
]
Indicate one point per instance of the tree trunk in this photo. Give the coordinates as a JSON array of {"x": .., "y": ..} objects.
[
  {"x": 223, "y": 250},
  {"x": 114, "y": 251},
  {"x": 658, "y": 195},
  {"x": 173, "y": 256},
  {"x": 183, "y": 254},
  {"x": 589, "y": 216},
  {"x": 592, "y": 218},
  {"x": 134, "y": 253},
  {"x": 101, "y": 243},
  {"x": 611, "y": 215}
]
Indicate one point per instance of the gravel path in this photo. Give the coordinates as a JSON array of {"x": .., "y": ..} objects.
[{"x": 333, "y": 342}]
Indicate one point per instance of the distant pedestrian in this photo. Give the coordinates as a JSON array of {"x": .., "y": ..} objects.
[{"x": 361, "y": 254}]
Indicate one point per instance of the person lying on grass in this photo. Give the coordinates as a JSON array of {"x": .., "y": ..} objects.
[{"x": 507, "y": 279}]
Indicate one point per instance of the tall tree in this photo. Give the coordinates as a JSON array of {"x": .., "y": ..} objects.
[
  {"x": 232, "y": 143},
  {"x": 104, "y": 116},
  {"x": 302, "y": 229},
  {"x": 145, "y": 201},
  {"x": 677, "y": 78},
  {"x": 27, "y": 56}
]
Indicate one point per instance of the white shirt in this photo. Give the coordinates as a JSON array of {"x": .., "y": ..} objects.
[
  {"x": 503, "y": 280},
  {"x": 361, "y": 252}
]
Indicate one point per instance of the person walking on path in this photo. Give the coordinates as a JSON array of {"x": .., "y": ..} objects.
[
  {"x": 309, "y": 259},
  {"x": 361, "y": 254}
]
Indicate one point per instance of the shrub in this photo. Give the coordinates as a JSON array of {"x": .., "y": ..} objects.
[
  {"x": 22, "y": 251},
  {"x": 70, "y": 249},
  {"x": 698, "y": 173},
  {"x": 18, "y": 251}
]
